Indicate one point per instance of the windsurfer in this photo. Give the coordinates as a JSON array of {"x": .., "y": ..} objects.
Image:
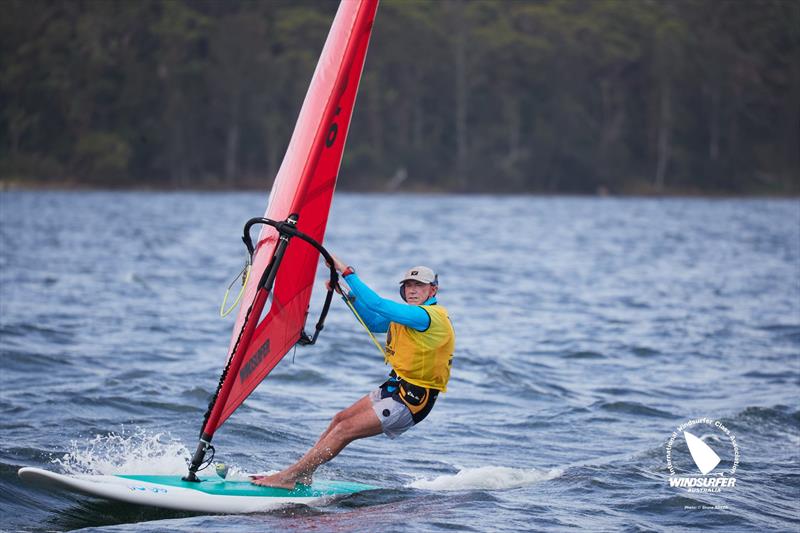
[{"x": 419, "y": 347}]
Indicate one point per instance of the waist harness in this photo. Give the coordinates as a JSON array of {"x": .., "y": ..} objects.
[{"x": 418, "y": 400}]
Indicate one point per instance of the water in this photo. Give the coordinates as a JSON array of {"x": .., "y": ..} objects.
[{"x": 588, "y": 331}]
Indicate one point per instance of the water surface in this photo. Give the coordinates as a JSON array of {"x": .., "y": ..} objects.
[{"x": 588, "y": 331}]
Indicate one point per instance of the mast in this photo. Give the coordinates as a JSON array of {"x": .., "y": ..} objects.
[{"x": 298, "y": 206}]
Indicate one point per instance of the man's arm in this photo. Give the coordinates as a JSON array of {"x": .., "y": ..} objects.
[
  {"x": 375, "y": 322},
  {"x": 382, "y": 311}
]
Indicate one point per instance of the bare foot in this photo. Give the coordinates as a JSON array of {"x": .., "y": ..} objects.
[{"x": 275, "y": 480}]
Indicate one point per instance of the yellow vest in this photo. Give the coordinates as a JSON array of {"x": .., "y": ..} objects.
[{"x": 423, "y": 357}]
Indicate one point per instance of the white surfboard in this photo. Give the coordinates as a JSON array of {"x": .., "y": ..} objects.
[{"x": 212, "y": 495}]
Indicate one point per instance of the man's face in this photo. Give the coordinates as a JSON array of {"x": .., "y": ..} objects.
[{"x": 417, "y": 292}]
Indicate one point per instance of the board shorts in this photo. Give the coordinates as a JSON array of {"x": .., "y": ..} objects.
[{"x": 400, "y": 405}]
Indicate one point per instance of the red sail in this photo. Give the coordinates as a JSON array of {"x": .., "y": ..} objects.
[{"x": 304, "y": 186}]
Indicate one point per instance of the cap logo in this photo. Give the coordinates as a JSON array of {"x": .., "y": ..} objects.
[{"x": 414, "y": 272}]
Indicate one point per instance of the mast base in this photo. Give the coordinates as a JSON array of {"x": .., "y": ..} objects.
[
  {"x": 191, "y": 477},
  {"x": 198, "y": 458}
]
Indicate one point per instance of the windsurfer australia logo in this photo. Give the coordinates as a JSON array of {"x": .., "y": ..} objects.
[{"x": 708, "y": 461}]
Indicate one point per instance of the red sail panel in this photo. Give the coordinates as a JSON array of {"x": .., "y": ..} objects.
[{"x": 304, "y": 185}]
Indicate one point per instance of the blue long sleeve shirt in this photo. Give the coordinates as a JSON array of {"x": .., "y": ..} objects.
[{"x": 378, "y": 312}]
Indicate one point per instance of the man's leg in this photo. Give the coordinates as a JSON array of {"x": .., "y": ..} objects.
[
  {"x": 356, "y": 422},
  {"x": 344, "y": 414}
]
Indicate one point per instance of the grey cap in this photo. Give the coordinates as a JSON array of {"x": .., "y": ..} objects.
[{"x": 422, "y": 274}]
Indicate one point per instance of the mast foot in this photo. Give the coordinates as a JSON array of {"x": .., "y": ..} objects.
[{"x": 197, "y": 460}]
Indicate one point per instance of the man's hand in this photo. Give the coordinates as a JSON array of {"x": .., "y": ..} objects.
[
  {"x": 338, "y": 265},
  {"x": 337, "y": 288}
]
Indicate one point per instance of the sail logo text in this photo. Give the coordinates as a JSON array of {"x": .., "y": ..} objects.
[
  {"x": 711, "y": 482},
  {"x": 252, "y": 363},
  {"x": 702, "y": 444}
]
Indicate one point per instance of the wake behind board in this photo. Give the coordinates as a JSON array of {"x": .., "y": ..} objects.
[{"x": 212, "y": 495}]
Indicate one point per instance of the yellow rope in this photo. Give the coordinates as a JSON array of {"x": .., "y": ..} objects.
[
  {"x": 225, "y": 312},
  {"x": 361, "y": 320}
]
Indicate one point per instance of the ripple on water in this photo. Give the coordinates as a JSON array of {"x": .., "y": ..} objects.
[
  {"x": 584, "y": 354},
  {"x": 633, "y": 409}
]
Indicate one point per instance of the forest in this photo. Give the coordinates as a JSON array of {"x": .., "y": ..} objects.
[{"x": 500, "y": 96}]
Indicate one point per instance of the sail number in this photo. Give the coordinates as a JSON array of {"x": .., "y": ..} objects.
[{"x": 333, "y": 130}]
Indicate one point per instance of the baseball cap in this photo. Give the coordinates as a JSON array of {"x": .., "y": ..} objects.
[{"x": 422, "y": 274}]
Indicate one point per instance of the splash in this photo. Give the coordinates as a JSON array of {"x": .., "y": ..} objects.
[
  {"x": 487, "y": 478},
  {"x": 139, "y": 452}
]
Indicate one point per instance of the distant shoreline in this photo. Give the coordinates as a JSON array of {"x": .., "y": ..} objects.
[{"x": 66, "y": 186}]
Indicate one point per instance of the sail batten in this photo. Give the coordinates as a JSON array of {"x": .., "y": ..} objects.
[{"x": 304, "y": 187}]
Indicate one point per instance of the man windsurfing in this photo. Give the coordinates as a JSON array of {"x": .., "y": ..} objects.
[{"x": 419, "y": 346}]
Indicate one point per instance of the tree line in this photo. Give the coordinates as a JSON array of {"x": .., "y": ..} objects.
[{"x": 552, "y": 96}]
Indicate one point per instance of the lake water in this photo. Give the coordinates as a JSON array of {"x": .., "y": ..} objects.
[{"x": 589, "y": 330}]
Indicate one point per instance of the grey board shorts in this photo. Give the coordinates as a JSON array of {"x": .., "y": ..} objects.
[{"x": 394, "y": 415}]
